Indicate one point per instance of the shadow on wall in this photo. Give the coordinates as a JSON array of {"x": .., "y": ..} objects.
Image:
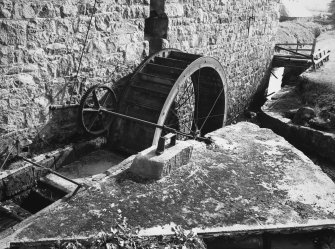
[
  {"x": 64, "y": 125},
  {"x": 259, "y": 97},
  {"x": 156, "y": 26},
  {"x": 62, "y": 128},
  {"x": 43, "y": 43}
]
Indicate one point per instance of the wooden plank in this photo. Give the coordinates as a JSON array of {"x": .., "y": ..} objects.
[
  {"x": 143, "y": 98},
  {"x": 151, "y": 88},
  {"x": 154, "y": 78},
  {"x": 289, "y": 56},
  {"x": 303, "y": 49},
  {"x": 159, "y": 70},
  {"x": 292, "y": 60},
  {"x": 171, "y": 62},
  {"x": 317, "y": 61},
  {"x": 293, "y": 52},
  {"x": 145, "y": 105}
]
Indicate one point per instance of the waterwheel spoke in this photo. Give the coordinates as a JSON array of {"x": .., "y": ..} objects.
[
  {"x": 93, "y": 122},
  {"x": 184, "y": 122},
  {"x": 183, "y": 110},
  {"x": 212, "y": 108},
  {"x": 180, "y": 105},
  {"x": 181, "y": 121}
]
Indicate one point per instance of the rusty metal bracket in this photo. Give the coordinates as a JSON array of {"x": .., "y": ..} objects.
[{"x": 162, "y": 141}]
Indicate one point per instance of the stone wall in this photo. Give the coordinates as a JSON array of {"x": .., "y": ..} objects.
[
  {"x": 41, "y": 43},
  {"x": 239, "y": 33}
]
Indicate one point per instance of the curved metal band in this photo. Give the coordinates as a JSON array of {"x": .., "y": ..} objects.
[{"x": 202, "y": 62}]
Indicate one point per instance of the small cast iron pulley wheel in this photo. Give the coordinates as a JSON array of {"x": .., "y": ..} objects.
[{"x": 94, "y": 102}]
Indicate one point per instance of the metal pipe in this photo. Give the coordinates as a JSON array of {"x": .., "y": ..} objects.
[
  {"x": 58, "y": 107},
  {"x": 50, "y": 170},
  {"x": 163, "y": 127},
  {"x": 144, "y": 122}
]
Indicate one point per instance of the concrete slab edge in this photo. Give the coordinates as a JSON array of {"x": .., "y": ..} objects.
[
  {"x": 304, "y": 138},
  {"x": 311, "y": 226}
]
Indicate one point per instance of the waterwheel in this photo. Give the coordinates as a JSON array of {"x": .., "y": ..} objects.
[{"x": 186, "y": 92}]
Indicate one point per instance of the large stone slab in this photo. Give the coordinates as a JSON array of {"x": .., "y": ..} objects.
[{"x": 249, "y": 179}]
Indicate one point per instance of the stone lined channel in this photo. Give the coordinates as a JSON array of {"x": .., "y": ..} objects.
[{"x": 27, "y": 190}]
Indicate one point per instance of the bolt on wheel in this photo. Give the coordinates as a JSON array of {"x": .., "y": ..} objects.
[{"x": 182, "y": 113}]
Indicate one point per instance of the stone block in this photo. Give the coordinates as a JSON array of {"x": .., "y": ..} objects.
[
  {"x": 23, "y": 11},
  {"x": 48, "y": 10},
  {"x": 148, "y": 165},
  {"x": 13, "y": 33},
  {"x": 68, "y": 9},
  {"x": 19, "y": 180},
  {"x": 174, "y": 10},
  {"x": 6, "y": 7}
]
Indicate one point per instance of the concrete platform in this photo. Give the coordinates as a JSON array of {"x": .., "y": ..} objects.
[
  {"x": 249, "y": 180},
  {"x": 90, "y": 166}
]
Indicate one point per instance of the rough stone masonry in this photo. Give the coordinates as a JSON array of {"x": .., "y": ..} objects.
[{"x": 41, "y": 43}]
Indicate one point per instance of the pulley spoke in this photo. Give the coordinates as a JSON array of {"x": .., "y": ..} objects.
[
  {"x": 185, "y": 121},
  {"x": 93, "y": 122},
  {"x": 94, "y": 109},
  {"x": 95, "y": 98}
]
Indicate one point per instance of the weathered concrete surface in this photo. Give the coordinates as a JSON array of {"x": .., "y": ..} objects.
[
  {"x": 248, "y": 179},
  {"x": 274, "y": 116},
  {"x": 91, "y": 165}
]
